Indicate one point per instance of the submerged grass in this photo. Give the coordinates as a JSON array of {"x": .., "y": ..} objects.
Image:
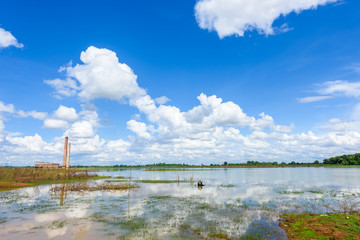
[
  {"x": 83, "y": 186},
  {"x": 290, "y": 192}
]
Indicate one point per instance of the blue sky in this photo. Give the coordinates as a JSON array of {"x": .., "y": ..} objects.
[{"x": 278, "y": 82}]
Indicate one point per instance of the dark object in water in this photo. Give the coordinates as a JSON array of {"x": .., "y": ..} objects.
[{"x": 200, "y": 184}]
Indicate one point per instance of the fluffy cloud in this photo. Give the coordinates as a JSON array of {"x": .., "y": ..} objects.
[
  {"x": 86, "y": 126},
  {"x": 60, "y": 118},
  {"x": 9, "y": 108},
  {"x": 65, "y": 88},
  {"x": 65, "y": 113},
  {"x": 7, "y": 40},
  {"x": 139, "y": 128},
  {"x": 162, "y": 100},
  {"x": 55, "y": 124},
  {"x": 33, "y": 114},
  {"x": 100, "y": 76},
  {"x": 234, "y": 17}
]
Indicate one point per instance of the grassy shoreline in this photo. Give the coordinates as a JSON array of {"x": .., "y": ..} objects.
[
  {"x": 321, "y": 226},
  {"x": 19, "y": 177}
]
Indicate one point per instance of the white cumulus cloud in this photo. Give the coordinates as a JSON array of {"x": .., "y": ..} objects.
[
  {"x": 66, "y": 113},
  {"x": 139, "y": 128},
  {"x": 100, "y": 75},
  {"x": 33, "y": 114},
  {"x": 86, "y": 125},
  {"x": 55, "y": 124},
  {"x": 7, "y": 40},
  {"x": 9, "y": 108},
  {"x": 234, "y": 17},
  {"x": 162, "y": 100}
]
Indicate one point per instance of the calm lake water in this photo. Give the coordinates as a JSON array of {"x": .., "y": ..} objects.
[{"x": 236, "y": 203}]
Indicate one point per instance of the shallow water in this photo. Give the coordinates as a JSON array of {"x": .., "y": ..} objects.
[{"x": 236, "y": 203}]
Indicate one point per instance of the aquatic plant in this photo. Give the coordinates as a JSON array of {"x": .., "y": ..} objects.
[{"x": 84, "y": 186}]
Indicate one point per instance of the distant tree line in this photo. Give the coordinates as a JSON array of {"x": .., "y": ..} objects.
[{"x": 351, "y": 159}]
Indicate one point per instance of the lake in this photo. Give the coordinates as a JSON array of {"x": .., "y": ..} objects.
[{"x": 235, "y": 203}]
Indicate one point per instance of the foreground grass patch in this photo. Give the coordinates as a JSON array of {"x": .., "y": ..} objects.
[{"x": 321, "y": 226}]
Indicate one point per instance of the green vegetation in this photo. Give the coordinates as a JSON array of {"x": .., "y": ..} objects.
[
  {"x": 86, "y": 187},
  {"x": 17, "y": 177},
  {"x": 321, "y": 226},
  {"x": 315, "y": 191},
  {"x": 352, "y": 159}
]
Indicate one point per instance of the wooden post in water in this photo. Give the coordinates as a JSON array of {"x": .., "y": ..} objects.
[
  {"x": 68, "y": 157},
  {"x": 61, "y": 194},
  {"x": 65, "y": 152}
]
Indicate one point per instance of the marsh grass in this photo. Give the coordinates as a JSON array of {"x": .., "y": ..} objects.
[
  {"x": 315, "y": 191},
  {"x": 84, "y": 186},
  {"x": 290, "y": 192},
  {"x": 29, "y": 175},
  {"x": 17, "y": 177}
]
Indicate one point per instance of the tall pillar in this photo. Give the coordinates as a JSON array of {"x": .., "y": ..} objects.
[
  {"x": 68, "y": 157},
  {"x": 65, "y": 153}
]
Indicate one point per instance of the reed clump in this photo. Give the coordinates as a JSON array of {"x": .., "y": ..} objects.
[{"x": 84, "y": 186}]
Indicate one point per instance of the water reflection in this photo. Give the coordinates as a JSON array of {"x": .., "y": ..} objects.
[
  {"x": 234, "y": 203},
  {"x": 63, "y": 191}
]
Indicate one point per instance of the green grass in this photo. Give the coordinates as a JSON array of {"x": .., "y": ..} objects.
[
  {"x": 83, "y": 186},
  {"x": 227, "y": 186},
  {"x": 316, "y": 191},
  {"x": 290, "y": 192},
  {"x": 160, "y": 197},
  {"x": 16, "y": 177},
  {"x": 321, "y": 226}
]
